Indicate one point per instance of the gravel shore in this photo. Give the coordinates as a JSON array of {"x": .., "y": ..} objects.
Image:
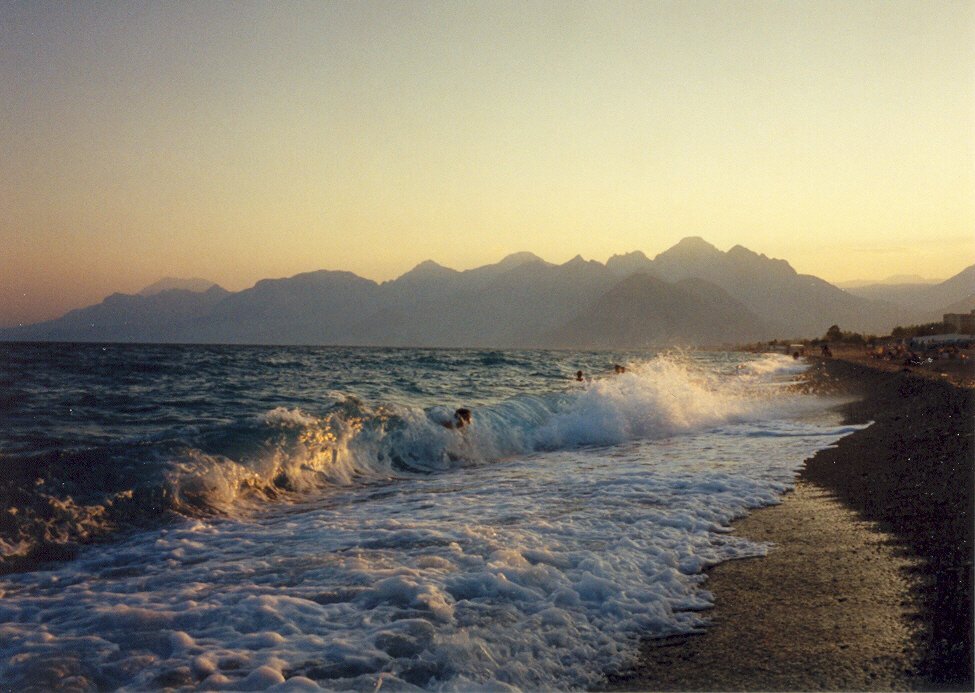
[{"x": 869, "y": 583}]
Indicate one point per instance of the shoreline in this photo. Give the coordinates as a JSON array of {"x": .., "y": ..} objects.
[{"x": 868, "y": 585}]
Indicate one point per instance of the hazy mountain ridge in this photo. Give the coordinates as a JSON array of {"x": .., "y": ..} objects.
[
  {"x": 505, "y": 304},
  {"x": 771, "y": 288},
  {"x": 126, "y": 318},
  {"x": 168, "y": 283},
  {"x": 891, "y": 280},
  {"x": 692, "y": 293},
  {"x": 643, "y": 310},
  {"x": 928, "y": 301},
  {"x": 311, "y": 308}
]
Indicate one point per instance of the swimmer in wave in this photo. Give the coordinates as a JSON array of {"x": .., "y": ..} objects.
[{"x": 461, "y": 418}]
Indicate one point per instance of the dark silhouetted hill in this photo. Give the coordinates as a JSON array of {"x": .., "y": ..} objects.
[
  {"x": 693, "y": 293},
  {"x": 158, "y": 317},
  {"x": 643, "y": 311},
  {"x": 506, "y": 304},
  {"x": 799, "y": 304},
  {"x": 321, "y": 307},
  {"x": 169, "y": 283}
]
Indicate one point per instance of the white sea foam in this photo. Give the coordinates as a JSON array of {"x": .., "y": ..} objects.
[
  {"x": 531, "y": 550},
  {"x": 283, "y": 415},
  {"x": 773, "y": 365},
  {"x": 287, "y": 450},
  {"x": 664, "y": 396}
]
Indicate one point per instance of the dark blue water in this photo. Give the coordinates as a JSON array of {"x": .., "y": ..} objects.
[
  {"x": 66, "y": 396},
  {"x": 240, "y": 518},
  {"x": 91, "y": 421},
  {"x": 57, "y": 396}
]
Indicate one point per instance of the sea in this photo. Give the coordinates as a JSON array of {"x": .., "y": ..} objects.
[{"x": 296, "y": 518}]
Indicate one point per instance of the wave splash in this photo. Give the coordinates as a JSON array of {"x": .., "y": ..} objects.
[{"x": 60, "y": 500}]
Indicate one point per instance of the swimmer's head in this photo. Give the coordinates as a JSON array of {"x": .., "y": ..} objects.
[{"x": 462, "y": 417}]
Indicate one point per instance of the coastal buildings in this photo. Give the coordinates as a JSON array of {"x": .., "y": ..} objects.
[{"x": 962, "y": 322}]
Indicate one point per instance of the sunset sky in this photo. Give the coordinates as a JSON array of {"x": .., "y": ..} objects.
[{"x": 237, "y": 141}]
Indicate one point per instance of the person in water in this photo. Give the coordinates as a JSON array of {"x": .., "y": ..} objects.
[
  {"x": 579, "y": 376},
  {"x": 462, "y": 417},
  {"x": 619, "y": 369}
]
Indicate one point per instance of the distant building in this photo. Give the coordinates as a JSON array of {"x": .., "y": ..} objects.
[
  {"x": 933, "y": 340},
  {"x": 962, "y": 322}
]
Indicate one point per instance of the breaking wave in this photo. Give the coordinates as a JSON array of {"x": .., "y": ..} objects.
[{"x": 55, "y": 501}]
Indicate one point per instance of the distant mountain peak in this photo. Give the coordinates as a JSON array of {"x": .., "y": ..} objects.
[
  {"x": 577, "y": 261},
  {"x": 749, "y": 260},
  {"x": 428, "y": 265},
  {"x": 195, "y": 284},
  {"x": 428, "y": 269},
  {"x": 742, "y": 250},
  {"x": 633, "y": 255},
  {"x": 692, "y": 248},
  {"x": 630, "y": 263},
  {"x": 695, "y": 244},
  {"x": 518, "y": 259}
]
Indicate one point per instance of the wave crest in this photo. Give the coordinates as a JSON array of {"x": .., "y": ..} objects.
[{"x": 60, "y": 500}]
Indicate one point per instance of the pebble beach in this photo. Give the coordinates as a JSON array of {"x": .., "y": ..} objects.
[{"x": 868, "y": 583}]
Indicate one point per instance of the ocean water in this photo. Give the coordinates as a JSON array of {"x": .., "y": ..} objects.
[{"x": 249, "y": 518}]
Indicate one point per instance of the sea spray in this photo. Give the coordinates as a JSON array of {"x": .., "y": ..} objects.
[
  {"x": 328, "y": 537},
  {"x": 226, "y": 467}
]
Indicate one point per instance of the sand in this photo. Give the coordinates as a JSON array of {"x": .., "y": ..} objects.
[{"x": 869, "y": 583}]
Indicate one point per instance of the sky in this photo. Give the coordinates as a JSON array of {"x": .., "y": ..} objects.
[{"x": 238, "y": 141}]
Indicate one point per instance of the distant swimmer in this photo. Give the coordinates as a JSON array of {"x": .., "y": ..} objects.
[
  {"x": 579, "y": 375},
  {"x": 619, "y": 369},
  {"x": 462, "y": 417}
]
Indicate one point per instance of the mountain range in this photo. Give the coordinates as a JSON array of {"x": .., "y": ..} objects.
[
  {"x": 692, "y": 293},
  {"x": 928, "y": 301}
]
